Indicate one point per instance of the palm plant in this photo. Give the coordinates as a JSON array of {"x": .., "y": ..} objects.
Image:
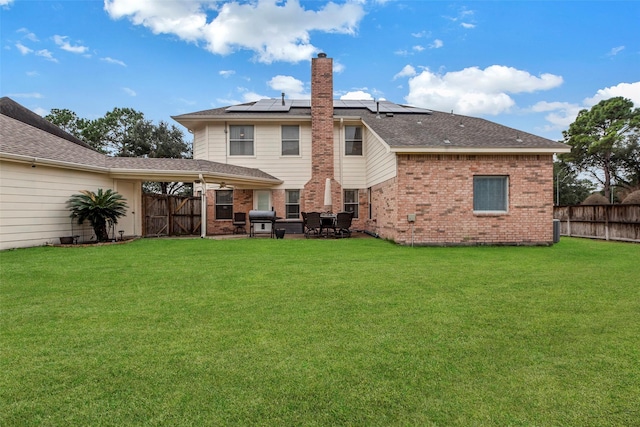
[{"x": 97, "y": 208}]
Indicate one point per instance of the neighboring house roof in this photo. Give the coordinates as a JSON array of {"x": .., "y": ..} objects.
[
  {"x": 24, "y": 139},
  {"x": 404, "y": 129}
]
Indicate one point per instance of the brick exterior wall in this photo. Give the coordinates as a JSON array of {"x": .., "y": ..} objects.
[
  {"x": 242, "y": 202},
  {"x": 439, "y": 190},
  {"x": 322, "y": 166}
]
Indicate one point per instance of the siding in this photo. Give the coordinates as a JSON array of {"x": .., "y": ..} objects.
[
  {"x": 381, "y": 165},
  {"x": 33, "y": 208}
]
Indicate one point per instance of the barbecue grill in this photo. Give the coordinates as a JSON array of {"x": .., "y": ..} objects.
[{"x": 261, "y": 217}]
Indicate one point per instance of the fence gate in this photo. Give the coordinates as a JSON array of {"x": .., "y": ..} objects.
[{"x": 166, "y": 215}]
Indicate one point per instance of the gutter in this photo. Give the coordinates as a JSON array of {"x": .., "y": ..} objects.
[{"x": 466, "y": 150}]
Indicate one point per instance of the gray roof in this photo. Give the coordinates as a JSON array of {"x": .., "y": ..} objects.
[
  {"x": 20, "y": 140},
  {"x": 401, "y": 127}
]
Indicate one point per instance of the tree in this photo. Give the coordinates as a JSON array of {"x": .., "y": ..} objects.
[
  {"x": 68, "y": 121},
  {"x": 599, "y": 138},
  {"x": 98, "y": 208},
  {"x": 569, "y": 189}
]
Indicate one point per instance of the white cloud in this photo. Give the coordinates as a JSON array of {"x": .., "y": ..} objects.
[
  {"x": 628, "y": 90},
  {"x": 437, "y": 44},
  {"x": 226, "y": 73},
  {"x": 616, "y": 50},
  {"x": 467, "y": 25},
  {"x": 357, "y": 95},
  {"x": 129, "y": 91},
  {"x": 338, "y": 67},
  {"x": 46, "y": 54},
  {"x": 562, "y": 114},
  {"x": 32, "y": 95},
  {"x": 292, "y": 87},
  {"x": 475, "y": 91},
  {"x": 5, "y": 2},
  {"x": 274, "y": 30},
  {"x": 32, "y": 73},
  {"x": 23, "y": 49},
  {"x": 65, "y": 45},
  {"x": 407, "y": 71},
  {"x": 113, "y": 61},
  {"x": 418, "y": 48},
  {"x": 28, "y": 35}
]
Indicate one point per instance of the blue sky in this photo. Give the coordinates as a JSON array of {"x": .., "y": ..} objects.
[{"x": 531, "y": 65}]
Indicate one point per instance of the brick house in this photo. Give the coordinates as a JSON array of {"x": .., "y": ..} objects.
[{"x": 410, "y": 175}]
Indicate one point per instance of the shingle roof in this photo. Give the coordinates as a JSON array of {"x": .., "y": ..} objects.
[
  {"x": 414, "y": 129},
  {"x": 20, "y": 140}
]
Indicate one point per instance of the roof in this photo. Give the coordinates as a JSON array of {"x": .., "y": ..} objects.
[
  {"x": 21, "y": 141},
  {"x": 404, "y": 129}
]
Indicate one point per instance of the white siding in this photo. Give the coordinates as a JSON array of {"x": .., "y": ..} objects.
[
  {"x": 295, "y": 171},
  {"x": 33, "y": 209},
  {"x": 381, "y": 164}
]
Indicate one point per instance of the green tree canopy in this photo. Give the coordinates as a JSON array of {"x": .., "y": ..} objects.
[
  {"x": 569, "y": 188},
  {"x": 601, "y": 141}
]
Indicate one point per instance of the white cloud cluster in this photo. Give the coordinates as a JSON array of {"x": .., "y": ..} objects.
[
  {"x": 64, "y": 44},
  {"x": 562, "y": 114},
  {"x": 473, "y": 90},
  {"x": 292, "y": 87},
  {"x": 274, "y": 30},
  {"x": 358, "y": 95}
]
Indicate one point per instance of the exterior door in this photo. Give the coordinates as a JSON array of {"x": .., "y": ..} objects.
[{"x": 262, "y": 202}]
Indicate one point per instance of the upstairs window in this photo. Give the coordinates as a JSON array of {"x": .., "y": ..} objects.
[
  {"x": 241, "y": 140},
  {"x": 490, "y": 194},
  {"x": 291, "y": 140},
  {"x": 353, "y": 140},
  {"x": 224, "y": 204},
  {"x": 351, "y": 202},
  {"x": 292, "y": 204}
]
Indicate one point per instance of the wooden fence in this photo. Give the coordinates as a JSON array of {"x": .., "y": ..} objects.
[
  {"x": 165, "y": 215},
  {"x": 608, "y": 222}
]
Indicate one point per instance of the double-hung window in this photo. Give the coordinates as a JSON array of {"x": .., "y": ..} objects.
[
  {"x": 291, "y": 140},
  {"x": 490, "y": 193},
  {"x": 224, "y": 204},
  {"x": 241, "y": 140},
  {"x": 292, "y": 204},
  {"x": 353, "y": 140},
  {"x": 351, "y": 202}
]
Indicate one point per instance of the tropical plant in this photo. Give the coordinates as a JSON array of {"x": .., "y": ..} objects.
[{"x": 98, "y": 208}]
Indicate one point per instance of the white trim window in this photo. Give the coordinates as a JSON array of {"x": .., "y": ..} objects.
[
  {"x": 290, "y": 140},
  {"x": 224, "y": 204},
  {"x": 292, "y": 204},
  {"x": 241, "y": 140},
  {"x": 350, "y": 198},
  {"x": 490, "y": 193},
  {"x": 353, "y": 140}
]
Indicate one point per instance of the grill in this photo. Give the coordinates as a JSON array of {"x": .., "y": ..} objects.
[{"x": 261, "y": 217}]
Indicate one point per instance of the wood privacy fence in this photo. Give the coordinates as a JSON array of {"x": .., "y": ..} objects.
[
  {"x": 609, "y": 222},
  {"x": 166, "y": 215}
]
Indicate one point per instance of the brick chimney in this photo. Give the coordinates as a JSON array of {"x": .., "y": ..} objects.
[{"x": 321, "y": 135}]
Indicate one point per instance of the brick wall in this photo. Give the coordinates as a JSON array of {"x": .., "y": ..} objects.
[
  {"x": 321, "y": 136},
  {"x": 242, "y": 202},
  {"x": 439, "y": 190}
]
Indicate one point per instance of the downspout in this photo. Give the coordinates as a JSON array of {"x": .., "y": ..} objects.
[
  {"x": 203, "y": 207},
  {"x": 340, "y": 145}
]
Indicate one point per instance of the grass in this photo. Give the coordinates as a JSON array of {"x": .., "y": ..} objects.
[{"x": 316, "y": 332}]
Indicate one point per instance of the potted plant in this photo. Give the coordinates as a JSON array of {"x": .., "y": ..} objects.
[{"x": 97, "y": 208}]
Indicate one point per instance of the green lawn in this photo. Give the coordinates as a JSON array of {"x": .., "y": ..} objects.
[{"x": 320, "y": 332}]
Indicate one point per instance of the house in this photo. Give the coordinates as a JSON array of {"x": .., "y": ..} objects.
[
  {"x": 41, "y": 166},
  {"x": 408, "y": 174}
]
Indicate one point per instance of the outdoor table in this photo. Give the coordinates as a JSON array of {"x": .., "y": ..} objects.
[{"x": 327, "y": 220}]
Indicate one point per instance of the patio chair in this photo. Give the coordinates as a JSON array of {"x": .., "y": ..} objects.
[
  {"x": 239, "y": 223},
  {"x": 312, "y": 224},
  {"x": 343, "y": 224}
]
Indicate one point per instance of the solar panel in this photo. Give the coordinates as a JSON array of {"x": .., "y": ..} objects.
[{"x": 276, "y": 105}]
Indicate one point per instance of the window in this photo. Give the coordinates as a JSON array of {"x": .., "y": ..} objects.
[
  {"x": 353, "y": 140},
  {"x": 291, "y": 140},
  {"x": 351, "y": 202},
  {"x": 490, "y": 193},
  {"x": 241, "y": 140},
  {"x": 224, "y": 204},
  {"x": 292, "y": 204}
]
